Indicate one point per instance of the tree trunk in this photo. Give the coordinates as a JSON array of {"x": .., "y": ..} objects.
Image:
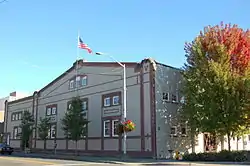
[
  {"x": 229, "y": 141},
  {"x": 222, "y": 142},
  {"x": 44, "y": 144},
  {"x": 237, "y": 143},
  {"x": 193, "y": 142},
  {"x": 76, "y": 148}
]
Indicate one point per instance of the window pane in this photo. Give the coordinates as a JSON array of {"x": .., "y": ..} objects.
[
  {"x": 69, "y": 106},
  {"x": 183, "y": 131},
  {"x": 48, "y": 112},
  {"x": 107, "y": 101},
  {"x": 107, "y": 128},
  {"x": 173, "y": 130},
  {"x": 84, "y": 81},
  {"x": 16, "y": 116},
  {"x": 71, "y": 84},
  {"x": 53, "y": 110},
  {"x": 84, "y": 105},
  {"x": 19, "y": 116},
  {"x": 53, "y": 131},
  {"x": 115, "y": 100},
  {"x": 115, "y": 125}
]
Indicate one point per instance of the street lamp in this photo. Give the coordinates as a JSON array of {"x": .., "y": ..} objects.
[{"x": 124, "y": 98}]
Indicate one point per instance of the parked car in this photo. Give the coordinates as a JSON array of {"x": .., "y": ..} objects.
[{"x": 4, "y": 148}]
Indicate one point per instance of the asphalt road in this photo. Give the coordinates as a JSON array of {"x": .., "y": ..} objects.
[{"x": 23, "y": 161}]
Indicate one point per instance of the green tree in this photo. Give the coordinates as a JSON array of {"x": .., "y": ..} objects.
[
  {"x": 27, "y": 126},
  {"x": 43, "y": 129},
  {"x": 217, "y": 80},
  {"x": 74, "y": 124}
]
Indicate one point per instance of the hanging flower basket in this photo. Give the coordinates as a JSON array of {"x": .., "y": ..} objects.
[{"x": 126, "y": 126}]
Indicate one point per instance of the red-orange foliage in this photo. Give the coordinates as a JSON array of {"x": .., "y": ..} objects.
[{"x": 235, "y": 40}]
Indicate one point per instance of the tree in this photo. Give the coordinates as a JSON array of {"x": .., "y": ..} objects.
[
  {"x": 26, "y": 128},
  {"x": 216, "y": 77},
  {"x": 43, "y": 129},
  {"x": 74, "y": 124}
]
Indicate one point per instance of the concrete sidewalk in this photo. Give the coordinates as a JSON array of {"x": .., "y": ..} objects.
[{"x": 126, "y": 161}]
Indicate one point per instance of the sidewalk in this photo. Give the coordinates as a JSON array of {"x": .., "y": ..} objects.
[{"x": 120, "y": 161}]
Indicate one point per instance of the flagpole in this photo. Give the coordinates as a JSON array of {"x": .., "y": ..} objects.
[{"x": 77, "y": 56}]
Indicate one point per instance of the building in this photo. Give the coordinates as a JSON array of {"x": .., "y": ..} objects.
[
  {"x": 12, "y": 96},
  {"x": 153, "y": 100}
]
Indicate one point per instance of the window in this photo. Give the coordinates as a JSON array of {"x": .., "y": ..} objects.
[
  {"x": 173, "y": 131},
  {"x": 84, "y": 81},
  {"x": 114, "y": 128},
  {"x": 84, "y": 105},
  {"x": 78, "y": 80},
  {"x": 52, "y": 131},
  {"x": 16, "y": 116},
  {"x": 182, "y": 100},
  {"x": 71, "y": 84},
  {"x": 69, "y": 106},
  {"x": 48, "y": 111},
  {"x": 116, "y": 100},
  {"x": 53, "y": 112},
  {"x": 15, "y": 132},
  {"x": 13, "y": 116},
  {"x": 183, "y": 131},
  {"x": 165, "y": 96},
  {"x": 174, "y": 98},
  {"x": 111, "y": 99},
  {"x": 106, "y": 128},
  {"x": 20, "y": 115},
  {"x": 107, "y": 102}
]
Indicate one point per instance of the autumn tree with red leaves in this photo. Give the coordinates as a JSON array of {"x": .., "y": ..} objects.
[{"x": 217, "y": 81}]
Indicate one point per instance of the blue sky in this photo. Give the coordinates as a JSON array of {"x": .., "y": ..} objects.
[{"x": 38, "y": 39}]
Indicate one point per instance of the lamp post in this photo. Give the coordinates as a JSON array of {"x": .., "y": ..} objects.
[{"x": 124, "y": 98}]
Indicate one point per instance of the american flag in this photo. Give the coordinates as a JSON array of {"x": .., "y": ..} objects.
[{"x": 83, "y": 45}]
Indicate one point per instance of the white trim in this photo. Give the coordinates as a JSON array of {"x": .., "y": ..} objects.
[
  {"x": 113, "y": 127},
  {"x": 104, "y": 122},
  {"x": 114, "y": 100},
  {"x": 106, "y": 105}
]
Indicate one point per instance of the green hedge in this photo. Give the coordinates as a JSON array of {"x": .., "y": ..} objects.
[{"x": 232, "y": 156}]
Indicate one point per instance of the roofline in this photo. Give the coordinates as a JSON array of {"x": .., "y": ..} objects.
[
  {"x": 21, "y": 99},
  {"x": 161, "y": 64},
  {"x": 83, "y": 63}
]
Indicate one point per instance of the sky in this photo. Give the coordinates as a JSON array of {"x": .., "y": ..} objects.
[{"x": 38, "y": 39}]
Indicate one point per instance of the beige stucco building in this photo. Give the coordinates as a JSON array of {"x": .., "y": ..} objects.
[{"x": 153, "y": 100}]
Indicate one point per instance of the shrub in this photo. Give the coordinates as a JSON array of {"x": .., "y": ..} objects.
[{"x": 233, "y": 156}]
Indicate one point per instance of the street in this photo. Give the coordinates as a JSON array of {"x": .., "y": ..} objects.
[
  {"x": 21, "y": 161},
  {"x": 24, "y": 161}
]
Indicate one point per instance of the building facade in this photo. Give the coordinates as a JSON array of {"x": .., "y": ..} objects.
[{"x": 153, "y": 102}]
